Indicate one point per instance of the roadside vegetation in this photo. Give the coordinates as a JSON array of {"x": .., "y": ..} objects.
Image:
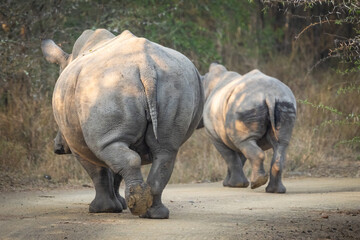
[{"x": 312, "y": 46}]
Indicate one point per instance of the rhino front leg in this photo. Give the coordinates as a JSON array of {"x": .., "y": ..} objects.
[
  {"x": 256, "y": 156},
  {"x": 106, "y": 199},
  {"x": 159, "y": 175},
  {"x": 277, "y": 163},
  {"x": 235, "y": 175}
]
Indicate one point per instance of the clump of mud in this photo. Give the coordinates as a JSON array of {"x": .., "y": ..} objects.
[{"x": 139, "y": 199}]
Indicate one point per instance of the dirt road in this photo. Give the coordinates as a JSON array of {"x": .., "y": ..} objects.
[{"x": 317, "y": 208}]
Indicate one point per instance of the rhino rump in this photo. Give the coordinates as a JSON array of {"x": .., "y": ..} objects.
[{"x": 258, "y": 119}]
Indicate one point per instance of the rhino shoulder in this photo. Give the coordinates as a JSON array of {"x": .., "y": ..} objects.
[
  {"x": 80, "y": 42},
  {"x": 256, "y": 73},
  {"x": 125, "y": 35},
  {"x": 133, "y": 43}
]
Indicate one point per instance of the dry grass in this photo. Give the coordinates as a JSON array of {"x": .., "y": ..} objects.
[
  {"x": 27, "y": 129},
  {"x": 201, "y": 156}
]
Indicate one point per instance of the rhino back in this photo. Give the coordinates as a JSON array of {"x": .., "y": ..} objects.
[
  {"x": 108, "y": 90},
  {"x": 248, "y": 91},
  {"x": 256, "y": 81}
]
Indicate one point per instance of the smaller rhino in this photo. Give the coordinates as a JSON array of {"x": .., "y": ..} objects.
[{"x": 244, "y": 116}]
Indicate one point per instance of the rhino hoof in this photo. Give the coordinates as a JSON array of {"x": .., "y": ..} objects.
[
  {"x": 236, "y": 183},
  {"x": 105, "y": 206},
  {"x": 275, "y": 189},
  {"x": 239, "y": 185},
  {"x": 261, "y": 180},
  {"x": 158, "y": 212},
  {"x": 139, "y": 199}
]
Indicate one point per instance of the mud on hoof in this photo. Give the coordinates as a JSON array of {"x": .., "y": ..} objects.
[
  {"x": 157, "y": 212},
  {"x": 259, "y": 181},
  {"x": 102, "y": 205},
  {"x": 139, "y": 199},
  {"x": 280, "y": 188}
]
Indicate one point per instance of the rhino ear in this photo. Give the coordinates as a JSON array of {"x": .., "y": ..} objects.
[{"x": 53, "y": 53}]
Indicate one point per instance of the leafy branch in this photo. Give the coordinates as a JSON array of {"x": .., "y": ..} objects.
[
  {"x": 350, "y": 119},
  {"x": 354, "y": 141},
  {"x": 321, "y": 106}
]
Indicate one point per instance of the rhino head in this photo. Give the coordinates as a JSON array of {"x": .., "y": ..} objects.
[
  {"x": 212, "y": 78},
  {"x": 60, "y": 145}
]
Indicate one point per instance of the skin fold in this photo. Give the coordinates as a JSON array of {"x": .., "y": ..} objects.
[
  {"x": 121, "y": 102},
  {"x": 245, "y": 115}
]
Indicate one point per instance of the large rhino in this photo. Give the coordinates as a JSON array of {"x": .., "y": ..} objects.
[
  {"x": 244, "y": 116},
  {"x": 120, "y": 102}
]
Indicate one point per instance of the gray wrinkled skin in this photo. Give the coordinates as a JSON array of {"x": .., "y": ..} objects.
[
  {"x": 244, "y": 116},
  {"x": 121, "y": 102}
]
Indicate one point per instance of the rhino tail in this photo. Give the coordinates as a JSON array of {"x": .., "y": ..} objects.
[
  {"x": 148, "y": 78},
  {"x": 271, "y": 104},
  {"x": 282, "y": 114}
]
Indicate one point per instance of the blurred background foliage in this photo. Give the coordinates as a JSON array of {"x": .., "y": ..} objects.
[{"x": 302, "y": 43}]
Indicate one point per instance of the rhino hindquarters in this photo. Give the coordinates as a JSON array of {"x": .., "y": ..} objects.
[
  {"x": 244, "y": 129},
  {"x": 256, "y": 156},
  {"x": 126, "y": 162}
]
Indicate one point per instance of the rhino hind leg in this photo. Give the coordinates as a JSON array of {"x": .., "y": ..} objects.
[
  {"x": 126, "y": 162},
  {"x": 275, "y": 184},
  {"x": 256, "y": 156},
  {"x": 105, "y": 199},
  {"x": 285, "y": 115},
  {"x": 235, "y": 175},
  {"x": 159, "y": 175}
]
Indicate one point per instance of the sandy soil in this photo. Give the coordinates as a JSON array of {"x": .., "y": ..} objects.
[{"x": 313, "y": 208}]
